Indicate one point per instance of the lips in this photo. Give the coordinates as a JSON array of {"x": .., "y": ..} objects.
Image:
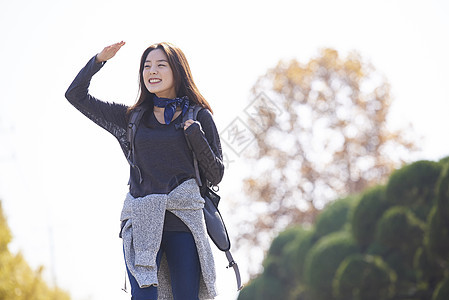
[{"x": 154, "y": 80}]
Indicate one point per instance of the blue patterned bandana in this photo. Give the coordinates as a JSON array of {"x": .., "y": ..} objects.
[{"x": 170, "y": 106}]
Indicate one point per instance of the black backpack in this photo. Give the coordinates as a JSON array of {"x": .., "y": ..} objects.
[{"x": 214, "y": 221}]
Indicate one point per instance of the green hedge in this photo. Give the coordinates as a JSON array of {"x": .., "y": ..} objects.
[
  {"x": 285, "y": 237},
  {"x": 334, "y": 216},
  {"x": 442, "y": 291},
  {"x": 399, "y": 234},
  {"x": 264, "y": 287},
  {"x": 278, "y": 263},
  {"x": 250, "y": 290},
  {"x": 362, "y": 277},
  {"x": 390, "y": 242},
  {"x": 295, "y": 254},
  {"x": 398, "y": 228},
  {"x": 414, "y": 186},
  {"x": 437, "y": 236},
  {"x": 370, "y": 208},
  {"x": 443, "y": 195},
  {"x": 429, "y": 272},
  {"x": 323, "y": 260}
]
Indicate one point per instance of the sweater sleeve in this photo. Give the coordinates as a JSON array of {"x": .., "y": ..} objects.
[
  {"x": 110, "y": 116},
  {"x": 206, "y": 144}
]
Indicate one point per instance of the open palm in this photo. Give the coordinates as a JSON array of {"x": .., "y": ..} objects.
[{"x": 109, "y": 51}]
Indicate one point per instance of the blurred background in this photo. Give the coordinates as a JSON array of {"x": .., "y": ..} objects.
[{"x": 315, "y": 101}]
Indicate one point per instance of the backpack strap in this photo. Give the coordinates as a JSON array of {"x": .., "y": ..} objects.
[
  {"x": 234, "y": 265},
  {"x": 134, "y": 120},
  {"x": 191, "y": 114}
]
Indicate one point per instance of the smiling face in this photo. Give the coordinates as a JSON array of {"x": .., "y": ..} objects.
[{"x": 158, "y": 75}]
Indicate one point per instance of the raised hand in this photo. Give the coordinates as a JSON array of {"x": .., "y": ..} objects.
[{"x": 109, "y": 52}]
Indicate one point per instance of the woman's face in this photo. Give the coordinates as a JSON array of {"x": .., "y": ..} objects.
[{"x": 158, "y": 75}]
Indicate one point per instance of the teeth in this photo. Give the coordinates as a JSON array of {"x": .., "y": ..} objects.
[{"x": 154, "y": 80}]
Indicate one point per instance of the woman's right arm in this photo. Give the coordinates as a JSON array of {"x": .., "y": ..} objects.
[{"x": 110, "y": 116}]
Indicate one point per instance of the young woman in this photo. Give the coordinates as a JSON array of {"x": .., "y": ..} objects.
[{"x": 166, "y": 249}]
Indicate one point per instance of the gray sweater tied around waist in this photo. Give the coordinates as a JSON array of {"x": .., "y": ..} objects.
[{"x": 142, "y": 235}]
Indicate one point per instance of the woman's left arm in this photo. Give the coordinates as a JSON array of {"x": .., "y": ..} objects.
[{"x": 205, "y": 141}]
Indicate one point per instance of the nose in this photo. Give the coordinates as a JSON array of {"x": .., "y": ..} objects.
[{"x": 153, "y": 70}]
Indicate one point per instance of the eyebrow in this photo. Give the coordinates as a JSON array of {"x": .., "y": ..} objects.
[{"x": 164, "y": 60}]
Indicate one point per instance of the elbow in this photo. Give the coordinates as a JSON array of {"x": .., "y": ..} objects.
[
  {"x": 74, "y": 95},
  {"x": 69, "y": 95}
]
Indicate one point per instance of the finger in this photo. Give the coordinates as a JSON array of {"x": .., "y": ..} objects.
[
  {"x": 119, "y": 44},
  {"x": 115, "y": 47},
  {"x": 110, "y": 51}
]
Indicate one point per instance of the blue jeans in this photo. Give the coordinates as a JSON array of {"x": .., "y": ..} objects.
[{"x": 183, "y": 263}]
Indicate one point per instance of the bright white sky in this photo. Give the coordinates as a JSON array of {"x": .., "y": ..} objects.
[{"x": 63, "y": 179}]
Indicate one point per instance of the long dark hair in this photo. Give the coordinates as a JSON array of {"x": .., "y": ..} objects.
[{"x": 184, "y": 84}]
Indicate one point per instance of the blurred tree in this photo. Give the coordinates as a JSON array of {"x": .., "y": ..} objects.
[
  {"x": 5, "y": 233},
  {"x": 17, "y": 280},
  {"x": 323, "y": 134}
]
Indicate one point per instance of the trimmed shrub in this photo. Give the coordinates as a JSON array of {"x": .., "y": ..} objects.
[
  {"x": 279, "y": 266},
  {"x": 428, "y": 271},
  {"x": 444, "y": 160},
  {"x": 323, "y": 260},
  {"x": 442, "y": 290},
  {"x": 263, "y": 287},
  {"x": 282, "y": 239},
  {"x": 295, "y": 254},
  {"x": 276, "y": 263},
  {"x": 333, "y": 217},
  {"x": 399, "y": 234},
  {"x": 249, "y": 291},
  {"x": 437, "y": 236},
  {"x": 402, "y": 229},
  {"x": 299, "y": 292},
  {"x": 414, "y": 186},
  {"x": 270, "y": 288},
  {"x": 399, "y": 229},
  {"x": 443, "y": 195},
  {"x": 364, "y": 278},
  {"x": 370, "y": 208}
]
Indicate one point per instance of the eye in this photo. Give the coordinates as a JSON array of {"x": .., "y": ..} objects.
[
  {"x": 161, "y": 65},
  {"x": 146, "y": 66}
]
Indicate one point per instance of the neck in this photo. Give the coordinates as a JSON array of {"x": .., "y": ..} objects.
[{"x": 158, "y": 109}]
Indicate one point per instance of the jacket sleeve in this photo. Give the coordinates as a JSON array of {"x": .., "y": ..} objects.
[
  {"x": 205, "y": 141},
  {"x": 110, "y": 116}
]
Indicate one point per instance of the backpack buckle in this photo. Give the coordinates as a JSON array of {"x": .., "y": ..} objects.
[{"x": 231, "y": 264}]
